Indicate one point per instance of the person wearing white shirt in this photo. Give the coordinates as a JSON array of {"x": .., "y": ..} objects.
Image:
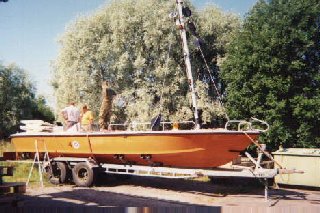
[{"x": 71, "y": 114}]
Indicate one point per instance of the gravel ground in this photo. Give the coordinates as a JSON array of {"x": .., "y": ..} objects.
[{"x": 157, "y": 192}]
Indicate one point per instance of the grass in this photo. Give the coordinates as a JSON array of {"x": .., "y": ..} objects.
[
  {"x": 21, "y": 170},
  {"x": 6, "y": 146}
]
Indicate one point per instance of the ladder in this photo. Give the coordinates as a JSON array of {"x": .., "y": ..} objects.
[{"x": 41, "y": 165}]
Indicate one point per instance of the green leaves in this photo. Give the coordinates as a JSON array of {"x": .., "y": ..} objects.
[
  {"x": 136, "y": 46},
  {"x": 18, "y": 101},
  {"x": 272, "y": 71}
]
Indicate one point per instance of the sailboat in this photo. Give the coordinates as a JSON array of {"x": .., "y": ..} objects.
[{"x": 195, "y": 148}]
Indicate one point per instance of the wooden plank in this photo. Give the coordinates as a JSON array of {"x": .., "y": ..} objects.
[
  {"x": 4, "y": 190},
  {"x": 14, "y": 187},
  {"x": 10, "y": 171},
  {"x": 20, "y": 189},
  {"x": 10, "y": 155},
  {"x": 6, "y": 170}
]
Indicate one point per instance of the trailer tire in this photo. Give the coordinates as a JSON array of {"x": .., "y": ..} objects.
[
  {"x": 83, "y": 174},
  {"x": 58, "y": 173}
]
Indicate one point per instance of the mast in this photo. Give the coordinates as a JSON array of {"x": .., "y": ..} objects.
[{"x": 181, "y": 23}]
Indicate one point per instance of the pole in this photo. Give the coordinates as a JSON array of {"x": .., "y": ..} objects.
[
  {"x": 266, "y": 191},
  {"x": 187, "y": 61}
]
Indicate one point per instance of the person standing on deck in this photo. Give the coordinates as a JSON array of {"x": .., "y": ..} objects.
[
  {"x": 106, "y": 106},
  {"x": 86, "y": 119},
  {"x": 72, "y": 115}
]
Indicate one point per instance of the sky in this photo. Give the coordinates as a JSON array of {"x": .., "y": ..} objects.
[{"x": 29, "y": 30}]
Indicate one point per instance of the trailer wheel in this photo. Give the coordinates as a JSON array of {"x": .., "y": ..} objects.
[
  {"x": 58, "y": 173},
  {"x": 83, "y": 174}
]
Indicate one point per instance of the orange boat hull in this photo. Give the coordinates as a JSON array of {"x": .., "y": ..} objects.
[{"x": 192, "y": 148}]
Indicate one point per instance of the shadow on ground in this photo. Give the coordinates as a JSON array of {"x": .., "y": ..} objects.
[
  {"x": 238, "y": 190},
  {"x": 91, "y": 197},
  {"x": 218, "y": 187}
]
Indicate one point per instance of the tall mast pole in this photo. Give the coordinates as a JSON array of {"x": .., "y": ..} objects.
[{"x": 181, "y": 24}]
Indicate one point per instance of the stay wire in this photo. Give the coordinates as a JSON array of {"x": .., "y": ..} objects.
[{"x": 213, "y": 82}]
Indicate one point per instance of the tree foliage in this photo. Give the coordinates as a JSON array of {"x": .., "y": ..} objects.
[
  {"x": 136, "y": 47},
  {"x": 18, "y": 100},
  {"x": 272, "y": 71}
]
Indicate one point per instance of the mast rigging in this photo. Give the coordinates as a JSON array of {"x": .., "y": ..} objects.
[{"x": 181, "y": 22}]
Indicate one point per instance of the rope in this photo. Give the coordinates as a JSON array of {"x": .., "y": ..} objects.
[{"x": 264, "y": 152}]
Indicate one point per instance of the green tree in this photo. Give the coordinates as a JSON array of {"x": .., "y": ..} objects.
[
  {"x": 18, "y": 101},
  {"x": 272, "y": 71},
  {"x": 41, "y": 110},
  {"x": 127, "y": 43}
]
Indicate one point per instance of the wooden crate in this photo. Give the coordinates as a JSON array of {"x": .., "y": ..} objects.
[
  {"x": 6, "y": 170},
  {"x": 13, "y": 187},
  {"x": 10, "y": 191}
]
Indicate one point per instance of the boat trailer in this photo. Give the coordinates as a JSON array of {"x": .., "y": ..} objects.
[{"x": 84, "y": 170}]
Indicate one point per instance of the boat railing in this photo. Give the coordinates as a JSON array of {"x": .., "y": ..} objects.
[
  {"x": 165, "y": 125},
  {"x": 242, "y": 125}
]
